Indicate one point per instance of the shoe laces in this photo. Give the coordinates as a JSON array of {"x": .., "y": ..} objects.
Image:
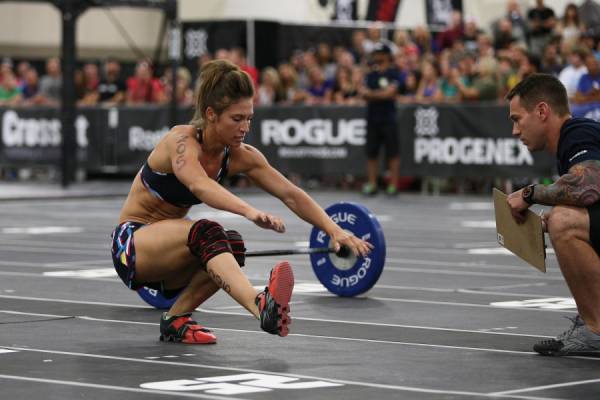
[{"x": 576, "y": 323}]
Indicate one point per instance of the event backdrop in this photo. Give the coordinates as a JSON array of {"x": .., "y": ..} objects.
[{"x": 436, "y": 140}]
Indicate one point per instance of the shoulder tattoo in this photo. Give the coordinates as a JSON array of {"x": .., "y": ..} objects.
[{"x": 180, "y": 146}]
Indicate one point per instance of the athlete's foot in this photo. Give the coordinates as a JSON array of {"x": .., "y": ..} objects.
[
  {"x": 181, "y": 328},
  {"x": 274, "y": 302}
]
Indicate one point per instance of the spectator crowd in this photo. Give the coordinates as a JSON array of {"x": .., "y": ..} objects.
[{"x": 463, "y": 63}]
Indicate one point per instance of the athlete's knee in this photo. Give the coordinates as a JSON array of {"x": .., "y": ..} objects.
[
  {"x": 207, "y": 239},
  {"x": 236, "y": 242}
]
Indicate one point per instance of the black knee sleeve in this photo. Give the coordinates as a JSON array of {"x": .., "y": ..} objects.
[
  {"x": 207, "y": 239},
  {"x": 236, "y": 242}
]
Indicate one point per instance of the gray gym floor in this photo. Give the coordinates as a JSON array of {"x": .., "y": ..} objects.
[{"x": 453, "y": 316}]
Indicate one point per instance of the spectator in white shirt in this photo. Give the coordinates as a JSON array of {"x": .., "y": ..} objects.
[{"x": 569, "y": 76}]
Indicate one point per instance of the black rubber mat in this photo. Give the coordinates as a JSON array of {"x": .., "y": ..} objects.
[{"x": 452, "y": 316}]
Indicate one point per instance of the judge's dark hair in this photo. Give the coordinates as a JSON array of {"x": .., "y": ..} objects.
[
  {"x": 221, "y": 84},
  {"x": 537, "y": 88}
]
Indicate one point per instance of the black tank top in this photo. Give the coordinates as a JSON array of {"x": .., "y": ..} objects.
[{"x": 167, "y": 187}]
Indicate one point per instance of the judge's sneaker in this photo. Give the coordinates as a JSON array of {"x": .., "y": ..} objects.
[
  {"x": 181, "y": 328},
  {"x": 391, "y": 190},
  {"x": 578, "y": 340},
  {"x": 274, "y": 302},
  {"x": 369, "y": 190}
]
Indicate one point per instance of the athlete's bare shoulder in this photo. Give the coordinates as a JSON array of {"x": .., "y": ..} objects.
[
  {"x": 245, "y": 157},
  {"x": 247, "y": 153},
  {"x": 188, "y": 130},
  {"x": 166, "y": 149}
]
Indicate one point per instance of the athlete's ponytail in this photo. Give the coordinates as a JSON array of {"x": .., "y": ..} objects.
[{"x": 222, "y": 83}]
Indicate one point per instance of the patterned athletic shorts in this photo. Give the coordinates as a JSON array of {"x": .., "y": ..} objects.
[{"x": 123, "y": 252}]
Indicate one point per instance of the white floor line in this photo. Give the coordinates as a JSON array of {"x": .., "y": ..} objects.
[
  {"x": 461, "y": 264},
  {"x": 21, "y": 264},
  {"x": 381, "y": 324},
  {"x": 473, "y": 273},
  {"x": 34, "y": 314},
  {"x": 516, "y": 285},
  {"x": 417, "y": 288},
  {"x": 53, "y": 250},
  {"x": 93, "y": 303},
  {"x": 296, "y": 318},
  {"x": 37, "y": 275},
  {"x": 440, "y": 303},
  {"x": 384, "y": 299},
  {"x": 492, "y": 293},
  {"x": 66, "y": 244},
  {"x": 261, "y": 280},
  {"x": 545, "y": 387},
  {"x": 66, "y": 264},
  {"x": 247, "y": 370},
  {"x": 116, "y": 388},
  {"x": 104, "y": 261}
]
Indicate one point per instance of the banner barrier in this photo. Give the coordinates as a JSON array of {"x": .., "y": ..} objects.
[{"x": 436, "y": 140}]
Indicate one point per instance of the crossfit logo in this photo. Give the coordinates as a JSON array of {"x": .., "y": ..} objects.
[
  {"x": 344, "y": 10},
  {"x": 39, "y": 132},
  {"x": 195, "y": 42},
  {"x": 145, "y": 140},
  {"x": 468, "y": 150},
  {"x": 426, "y": 121},
  {"x": 237, "y": 384}
]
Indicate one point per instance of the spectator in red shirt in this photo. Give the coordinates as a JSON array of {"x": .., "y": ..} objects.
[
  {"x": 143, "y": 88},
  {"x": 454, "y": 32},
  {"x": 238, "y": 57}
]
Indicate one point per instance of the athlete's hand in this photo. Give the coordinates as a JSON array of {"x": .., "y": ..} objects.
[
  {"x": 357, "y": 246},
  {"x": 266, "y": 221},
  {"x": 517, "y": 205}
]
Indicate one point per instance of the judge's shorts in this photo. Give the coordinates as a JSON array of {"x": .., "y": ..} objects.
[
  {"x": 594, "y": 213},
  {"x": 382, "y": 133}
]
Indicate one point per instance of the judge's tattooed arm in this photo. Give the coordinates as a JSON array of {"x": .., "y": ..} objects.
[{"x": 580, "y": 187}]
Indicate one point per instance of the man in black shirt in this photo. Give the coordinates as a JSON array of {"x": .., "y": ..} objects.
[
  {"x": 112, "y": 88},
  {"x": 541, "y": 24},
  {"x": 541, "y": 120},
  {"x": 381, "y": 88}
]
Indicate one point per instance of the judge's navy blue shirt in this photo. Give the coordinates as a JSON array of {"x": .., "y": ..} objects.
[
  {"x": 378, "y": 110},
  {"x": 579, "y": 141}
]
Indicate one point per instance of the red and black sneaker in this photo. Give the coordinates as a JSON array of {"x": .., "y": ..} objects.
[
  {"x": 181, "y": 328},
  {"x": 274, "y": 302}
]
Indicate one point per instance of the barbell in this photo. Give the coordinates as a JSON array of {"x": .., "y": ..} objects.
[{"x": 342, "y": 273}]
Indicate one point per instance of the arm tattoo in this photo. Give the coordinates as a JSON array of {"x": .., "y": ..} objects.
[
  {"x": 180, "y": 150},
  {"x": 579, "y": 187},
  {"x": 219, "y": 281}
]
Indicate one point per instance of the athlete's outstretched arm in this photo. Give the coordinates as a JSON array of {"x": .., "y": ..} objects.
[
  {"x": 579, "y": 187},
  {"x": 297, "y": 200},
  {"x": 184, "y": 153}
]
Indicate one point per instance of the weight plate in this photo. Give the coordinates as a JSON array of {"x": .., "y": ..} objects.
[
  {"x": 155, "y": 298},
  {"x": 335, "y": 274}
]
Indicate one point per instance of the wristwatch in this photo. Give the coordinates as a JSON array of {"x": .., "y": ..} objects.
[{"x": 528, "y": 194}]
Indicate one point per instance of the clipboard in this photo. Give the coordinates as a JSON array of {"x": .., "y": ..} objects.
[{"x": 524, "y": 240}]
